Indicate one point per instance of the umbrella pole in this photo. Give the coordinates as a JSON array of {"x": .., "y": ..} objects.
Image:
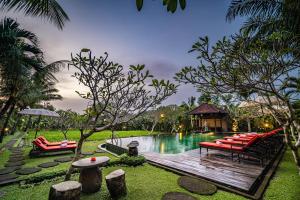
[{"x": 36, "y": 130}]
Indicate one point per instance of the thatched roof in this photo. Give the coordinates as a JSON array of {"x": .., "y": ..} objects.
[{"x": 206, "y": 108}]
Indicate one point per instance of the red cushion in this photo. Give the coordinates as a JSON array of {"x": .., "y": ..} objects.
[
  {"x": 245, "y": 139},
  {"x": 46, "y": 142},
  {"x": 221, "y": 146},
  {"x": 42, "y": 146},
  {"x": 233, "y": 142}
]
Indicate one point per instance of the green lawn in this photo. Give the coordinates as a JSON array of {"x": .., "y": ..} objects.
[
  {"x": 145, "y": 182},
  {"x": 75, "y": 134}
]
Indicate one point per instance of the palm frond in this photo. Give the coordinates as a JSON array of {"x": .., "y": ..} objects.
[
  {"x": 48, "y": 9},
  {"x": 253, "y": 8}
]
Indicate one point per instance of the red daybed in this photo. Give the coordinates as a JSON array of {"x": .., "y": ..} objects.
[
  {"x": 47, "y": 143},
  {"x": 40, "y": 148},
  {"x": 258, "y": 146}
]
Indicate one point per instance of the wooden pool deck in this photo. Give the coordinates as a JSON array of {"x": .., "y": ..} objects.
[{"x": 214, "y": 166}]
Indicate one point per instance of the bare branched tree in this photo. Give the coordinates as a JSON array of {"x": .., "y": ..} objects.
[{"x": 116, "y": 96}]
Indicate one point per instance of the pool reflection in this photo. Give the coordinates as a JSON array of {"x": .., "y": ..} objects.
[{"x": 173, "y": 143}]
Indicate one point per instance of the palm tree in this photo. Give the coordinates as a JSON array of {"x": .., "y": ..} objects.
[
  {"x": 47, "y": 9},
  {"x": 266, "y": 17},
  {"x": 35, "y": 89},
  {"x": 22, "y": 68},
  {"x": 19, "y": 54}
]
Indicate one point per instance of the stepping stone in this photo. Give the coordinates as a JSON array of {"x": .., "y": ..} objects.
[
  {"x": 16, "y": 154},
  {"x": 8, "y": 182},
  {"x": 64, "y": 159},
  {"x": 87, "y": 153},
  {"x": 17, "y": 150},
  {"x": 8, "y": 170},
  {"x": 197, "y": 186},
  {"x": 48, "y": 164},
  {"x": 7, "y": 177},
  {"x": 177, "y": 196},
  {"x": 15, "y": 159},
  {"x": 80, "y": 156},
  {"x": 13, "y": 164},
  {"x": 29, "y": 170}
]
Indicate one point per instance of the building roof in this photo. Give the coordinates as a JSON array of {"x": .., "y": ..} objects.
[{"x": 206, "y": 108}]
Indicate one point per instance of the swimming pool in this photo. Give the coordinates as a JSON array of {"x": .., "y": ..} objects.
[{"x": 169, "y": 143}]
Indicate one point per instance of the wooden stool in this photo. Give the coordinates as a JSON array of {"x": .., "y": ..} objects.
[
  {"x": 68, "y": 190},
  {"x": 116, "y": 183}
]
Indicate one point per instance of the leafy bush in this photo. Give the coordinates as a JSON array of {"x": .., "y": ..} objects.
[
  {"x": 132, "y": 160},
  {"x": 41, "y": 178}
]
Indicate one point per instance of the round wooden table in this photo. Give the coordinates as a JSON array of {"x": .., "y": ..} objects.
[{"x": 90, "y": 175}]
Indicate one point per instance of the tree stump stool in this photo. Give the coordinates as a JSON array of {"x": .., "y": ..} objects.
[
  {"x": 68, "y": 190},
  {"x": 90, "y": 175},
  {"x": 132, "y": 148},
  {"x": 116, "y": 183}
]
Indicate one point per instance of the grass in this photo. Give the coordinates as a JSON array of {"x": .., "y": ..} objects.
[
  {"x": 75, "y": 135},
  {"x": 144, "y": 182},
  {"x": 286, "y": 182}
]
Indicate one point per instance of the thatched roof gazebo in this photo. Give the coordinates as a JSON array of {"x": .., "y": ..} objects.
[{"x": 208, "y": 117}]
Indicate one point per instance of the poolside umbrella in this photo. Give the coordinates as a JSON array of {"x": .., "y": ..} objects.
[{"x": 38, "y": 112}]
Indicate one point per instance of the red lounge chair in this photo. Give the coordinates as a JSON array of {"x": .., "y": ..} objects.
[
  {"x": 40, "y": 148},
  {"x": 240, "y": 150},
  {"x": 47, "y": 143}
]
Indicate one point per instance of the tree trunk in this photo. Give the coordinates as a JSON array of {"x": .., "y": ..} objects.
[
  {"x": 15, "y": 125},
  {"x": 75, "y": 158},
  {"x": 292, "y": 129},
  {"x": 28, "y": 123},
  {"x": 65, "y": 134},
  {"x": 249, "y": 124},
  {"x": 153, "y": 126},
  {"x": 6, "y": 106},
  {"x": 11, "y": 109},
  {"x": 293, "y": 148},
  {"x": 297, "y": 127}
]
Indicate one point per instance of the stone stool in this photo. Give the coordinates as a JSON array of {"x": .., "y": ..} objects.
[
  {"x": 116, "y": 183},
  {"x": 68, "y": 190}
]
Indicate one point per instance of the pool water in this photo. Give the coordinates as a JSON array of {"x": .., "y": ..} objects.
[{"x": 171, "y": 144}]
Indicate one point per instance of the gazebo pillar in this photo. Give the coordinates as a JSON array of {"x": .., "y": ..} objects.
[
  {"x": 221, "y": 122},
  {"x": 215, "y": 125}
]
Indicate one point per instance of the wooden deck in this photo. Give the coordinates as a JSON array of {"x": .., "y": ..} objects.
[{"x": 214, "y": 166}]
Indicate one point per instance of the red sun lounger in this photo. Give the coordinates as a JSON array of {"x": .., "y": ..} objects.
[
  {"x": 247, "y": 149},
  {"x": 40, "y": 148},
  {"x": 47, "y": 143}
]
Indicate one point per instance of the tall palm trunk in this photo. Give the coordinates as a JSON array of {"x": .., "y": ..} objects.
[
  {"x": 5, "y": 108},
  {"x": 13, "y": 130},
  {"x": 11, "y": 109}
]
